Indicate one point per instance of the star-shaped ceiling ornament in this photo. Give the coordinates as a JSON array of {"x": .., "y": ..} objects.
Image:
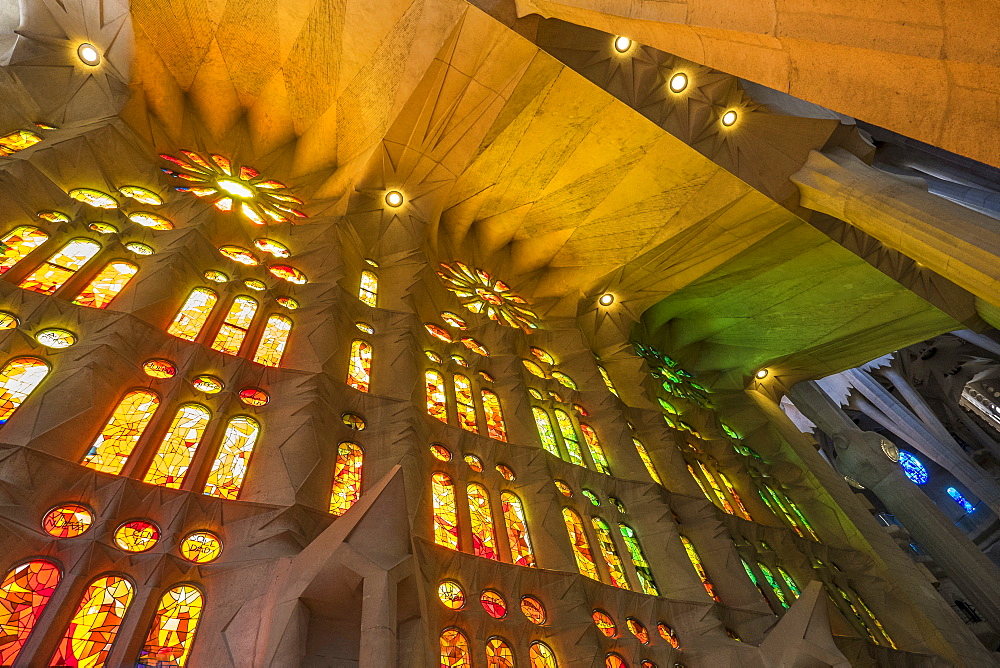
[{"x": 482, "y": 293}]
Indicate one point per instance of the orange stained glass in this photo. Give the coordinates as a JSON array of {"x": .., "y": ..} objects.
[
  {"x": 24, "y": 593},
  {"x": 495, "y": 426},
  {"x": 194, "y": 312},
  {"x": 445, "y": 511},
  {"x": 533, "y": 610},
  {"x": 240, "y": 255},
  {"x": 275, "y": 248},
  {"x": 172, "y": 634},
  {"x": 368, "y": 291},
  {"x": 533, "y": 368},
  {"x": 234, "y": 327},
  {"x": 569, "y": 437},
  {"x": 581, "y": 546},
  {"x": 505, "y": 472},
  {"x": 545, "y": 432},
  {"x": 359, "y": 373},
  {"x": 346, "y": 478},
  {"x": 253, "y": 396},
  {"x": 118, "y": 439},
  {"x": 94, "y": 626},
  {"x": 541, "y": 655},
  {"x": 159, "y": 368},
  {"x": 453, "y": 320},
  {"x": 230, "y": 466},
  {"x": 466, "y": 409},
  {"x": 699, "y": 569},
  {"x": 595, "y": 449},
  {"x": 542, "y": 356},
  {"x": 274, "y": 339},
  {"x": 440, "y": 452},
  {"x": 18, "y": 378},
  {"x": 61, "y": 266},
  {"x": 18, "y": 140},
  {"x": 474, "y": 346},
  {"x": 484, "y": 540},
  {"x": 716, "y": 489},
  {"x": 201, "y": 547},
  {"x": 150, "y": 220},
  {"x": 736, "y": 497},
  {"x": 517, "y": 530},
  {"x": 610, "y": 553},
  {"x": 68, "y": 520},
  {"x": 17, "y": 243},
  {"x": 668, "y": 634},
  {"x": 607, "y": 380},
  {"x": 437, "y": 332},
  {"x": 638, "y": 630},
  {"x": 475, "y": 463},
  {"x": 563, "y": 488},
  {"x": 604, "y": 623},
  {"x": 647, "y": 461},
  {"x": 102, "y": 228},
  {"x": 8, "y": 320},
  {"x": 137, "y": 536},
  {"x": 499, "y": 653},
  {"x": 613, "y": 660},
  {"x": 437, "y": 401},
  {"x": 455, "y": 649},
  {"x": 494, "y": 604},
  {"x": 450, "y": 593},
  {"x": 174, "y": 456},
  {"x": 288, "y": 273}
]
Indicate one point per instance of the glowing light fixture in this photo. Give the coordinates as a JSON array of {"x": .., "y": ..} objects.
[
  {"x": 606, "y": 299},
  {"x": 394, "y": 198},
  {"x": 761, "y": 374},
  {"x": 236, "y": 189},
  {"x": 678, "y": 82},
  {"x": 89, "y": 54},
  {"x": 729, "y": 118},
  {"x": 622, "y": 44}
]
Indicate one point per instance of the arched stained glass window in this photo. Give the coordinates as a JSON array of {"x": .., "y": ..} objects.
[
  {"x": 18, "y": 378},
  {"x": 581, "y": 546},
  {"x": 736, "y": 497},
  {"x": 274, "y": 339},
  {"x": 455, "y": 649},
  {"x": 172, "y": 634},
  {"x": 595, "y": 449},
  {"x": 194, "y": 312},
  {"x": 960, "y": 499},
  {"x": 116, "y": 441},
  {"x": 570, "y": 439},
  {"x": 647, "y": 461},
  {"x": 517, "y": 530},
  {"x": 774, "y": 498},
  {"x": 610, "y": 553},
  {"x": 346, "y": 477},
  {"x": 174, "y": 456},
  {"x": 607, "y": 379},
  {"x": 107, "y": 284},
  {"x": 17, "y": 243},
  {"x": 789, "y": 582},
  {"x": 359, "y": 373},
  {"x": 716, "y": 489},
  {"x": 775, "y": 587},
  {"x": 95, "y": 624},
  {"x": 545, "y": 433},
  {"x": 642, "y": 568},
  {"x": 437, "y": 400},
  {"x": 498, "y": 653},
  {"x": 234, "y": 328},
  {"x": 445, "y": 511},
  {"x": 541, "y": 655},
  {"x": 368, "y": 292},
  {"x": 24, "y": 593},
  {"x": 484, "y": 541},
  {"x": 699, "y": 569},
  {"x": 756, "y": 583},
  {"x": 61, "y": 266},
  {"x": 465, "y": 405},
  {"x": 230, "y": 466},
  {"x": 494, "y": 416}
]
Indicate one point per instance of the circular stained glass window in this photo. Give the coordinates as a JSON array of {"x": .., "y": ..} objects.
[
  {"x": 137, "y": 536},
  {"x": 53, "y": 216},
  {"x": 913, "y": 467},
  {"x": 505, "y": 472},
  {"x": 67, "y": 521},
  {"x": 141, "y": 195},
  {"x": 451, "y": 595},
  {"x": 487, "y": 377},
  {"x": 288, "y": 303},
  {"x": 494, "y": 604},
  {"x": 138, "y": 248},
  {"x": 253, "y": 396},
  {"x": 591, "y": 496},
  {"x": 159, "y": 368},
  {"x": 365, "y": 327},
  {"x": 533, "y": 610},
  {"x": 475, "y": 463},
  {"x": 208, "y": 384},
  {"x": 216, "y": 276},
  {"x": 55, "y": 338},
  {"x": 255, "y": 284},
  {"x": 201, "y": 547},
  {"x": 638, "y": 630},
  {"x": 563, "y": 488},
  {"x": 453, "y": 319},
  {"x": 614, "y": 661},
  {"x": 102, "y": 228},
  {"x": 440, "y": 452},
  {"x": 8, "y": 320},
  {"x": 354, "y": 421},
  {"x": 605, "y": 623},
  {"x": 433, "y": 356},
  {"x": 581, "y": 410},
  {"x": 668, "y": 634}
]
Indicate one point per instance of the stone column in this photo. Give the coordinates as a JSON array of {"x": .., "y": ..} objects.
[{"x": 378, "y": 621}]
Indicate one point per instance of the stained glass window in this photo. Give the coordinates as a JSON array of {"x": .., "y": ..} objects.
[
  {"x": 95, "y": 624},
  {"x": 913, "y": 467},
  {"x": 141, "y": 195},
  {"x": 484, "y": 542},
  {"x": 499, "y": 653},
  {"x": 595, "y": 449},
  {"x": 445, "y": 511},
  {"x": 18, "y": 140},
  {"x": 201, "y": 547},
  {"x": 533, "y": 609},
  {"x": 61, "y": 266},
  {"x": 137, "y": 536},
  {"x": 437, "y": 332},
  {"x": 570, "y": 440},
  {"x": 17, "y": 243},
  {"x": 150, "y": 220},
  {"x": 437, "y": 402},
  {"x": 453, "y": 320},
  {"x": 533, "y": 368},
  {"x": 789, "y": 582},
  {"x": 604, "y": 623},
  {"x": 68, "y": 520},
  {"x": 465, "y": 405},
  {"x": 591, "y": 496},
  {"x": 234, "y": 327},
  {"x": 368, "y": 292},
  {"x": 517, "y": 530},
  {"x": 564, "y": 380},
  {"x": 107, "y": 284},
  {"x": 541, "y": 655},
  {"x": 775, "y": 587},
  {"x": 563, "y": 488},
  {"x": 878, "y": 624},
  {"x": 545, "y": 433},
  {"x": 736, "y": 497},
  {"x": 24, "y": 593},
  {"x": 607, "y": 380},
  {"x": 638, "y": 630},
  {"x": 8, "y": 320},
  {"x": 451, "y": 595},
  {"x": 170, "y": 639},
  {"x": 123, "y": 430},
  {"x": 699, "y": 569},
  {"x": 174, "y": 456},
  {"x": 474, "y": 346},
  {"x": 668, "y": 634},
  {"x": 495, "y": 426},
  {"x": 56, "y": 337},
  {"x": 581, "y": 546},
  {"x": 482, "y": 293},
  {"x": 94, "y": 198},
  {"x": 254, "y": 396},
  {"x": 230, "y": 466},
  {"x": 440, "y": 452},
  {"x": 359, "y": 373},
  {"x": 346, "y": 478},
  {"x": 239, "y": 255},
  {"x": 288, "y": 273},
  {"x": 18, "y": 378},
  {"x": 647, "y": 461},
  {"x": 610, "y": 553},
  {"x": 208, "y": 384},
  {"x": 194, "y": 312},
  {"x": 723, "y": 501},
  {"x": 642, "y": 568},
  {"x": 455, "y": 649},
  {"x": 273, "y": 340},
  {"x": 494, "y": 604},
  {"x": 960, "y": 499},
  {"x": 613, "y": 660}
]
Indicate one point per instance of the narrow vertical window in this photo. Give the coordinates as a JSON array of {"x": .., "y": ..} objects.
[
  {"x": 274, "y": 339},
  {"x": 701, "y": 485},
  {"x": 517, "y": 530},
  {"x": 464, "y": 403},
  {"x": 445, "y": 512},
  {"x": 359, "y": 373},
  {"x": 368, "y": 292},
  {"x": 61, "y": 266},
  {"x": 789, "y": 582},
  {"x": 714, "y": 484},
  {"x": 230, "y": 466},
  {"x": 484, "y": 541},
  {"x": 595, "y": 449},
  {"x": 756, "y": 583},
  {"x": 960, "y": 499},
  {"x": 545, "y": 433},
  {"x": 581, "y": 546},
  {"x": 647, "y": 461},
  {"x": 569, "y": 437},
  {"x": 610, "y": 553},
  {"x": 107, "y": 284},
  {"x": 194, "y": 312},
  {"x": 878, "y": 624},
  {"x": 437, "y": 401},
  {"x": 494, "y": 416},
  {"x": 802, "y": 518},
  {"x": 736, "y": 497},
  {"x": 24, "y": 593},
  {"x": 116, "y": 441},
  {"x": 18, "y": 378},
  {"x": 172, "y": 634},
  {"x": 95, "y": 623},
  {"x": 777, "y": 507},
  {"x": 174, "y": 456},
  {"x": 857, "y": 614},
  {"x": 775, "y": 587},
  {"x": 455, "y": 649},
  {"x": 699, "y": 569},
  {"x": 17, "y": 243},
  {"x": 642, "y": 568},
  {"x": 346, "y": 478},
  {"x": 234, "y": 328},
  {"x": 607, "y": 380}
]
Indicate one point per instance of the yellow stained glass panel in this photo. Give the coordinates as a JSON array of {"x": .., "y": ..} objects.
[
  {"x": 647, "y": 461},
  {"x": 466, "y": 409},
  {"x": 368, "y": 292},
  {"x": 17, "y": 243},
  {"x": 107, "y": 284},
  {"x": 230, "y": 466},
  {"x": 272, "y": 343},
  {"x": 18, "y": 378},
  {"x": 455, "y": 649},
  {"x": 484, "y": 542},
  {"x": 18, "y": 140},
  {"x": 517, "y": 530},
  {"x": 445, "y": 511},
  {"x": 346, "y": 478},
  {"x": 65, "y": 262},
  {"x": 494, "y": 416},
  {"x": 193, "y": 314},
  {"x": 170, "y": 639},
  {"x": 581, "y": 546},
  {"x": 116, "y": 441},
  {"x": 359, "y": 373},
  {"x": 234, "y": 328},
  {"x": 610, "y": 553},
  {"x": 174, "y": 456},
  {"x": 437, "y": 401},
  {"x": 95, "y": 624}
]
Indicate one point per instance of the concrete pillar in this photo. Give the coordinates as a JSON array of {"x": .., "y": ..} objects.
[{"x": 378, "y": 621}]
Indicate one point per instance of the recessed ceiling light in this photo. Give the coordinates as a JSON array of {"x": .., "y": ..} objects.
[
  {"x": 89, "y": 54},
  {"x": 394, "y": 198},
  {"x": 761, "y": 374},
  {"x": 606, "y": 299},
  {"x": 678, "y": 82},
  {"x": 622, "y": 44},
  {"x": 729, "y": 118}
]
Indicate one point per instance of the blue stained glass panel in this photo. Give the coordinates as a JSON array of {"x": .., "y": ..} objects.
[
  {"x": 961, "y": 500},
  {"x": 913, "y": 467}
]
